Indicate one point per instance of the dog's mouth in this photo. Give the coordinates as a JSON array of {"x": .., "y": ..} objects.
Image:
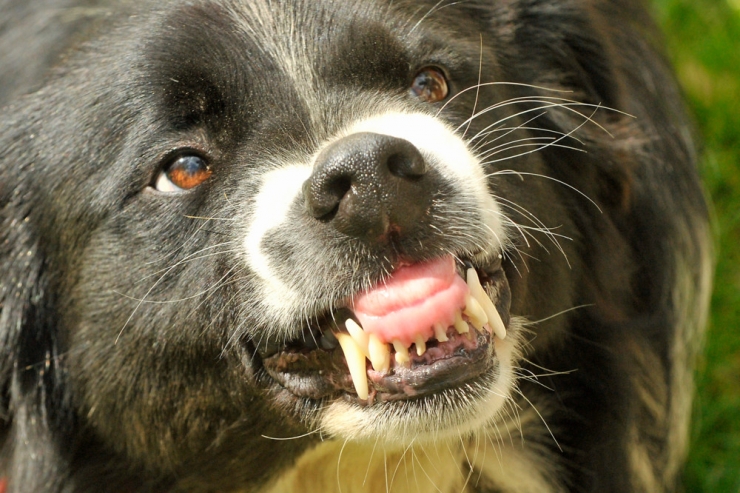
[{"x": 428, "y": 327}]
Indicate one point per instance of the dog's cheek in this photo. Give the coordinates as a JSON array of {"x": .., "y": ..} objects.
[{"x": 148, "y": 363}]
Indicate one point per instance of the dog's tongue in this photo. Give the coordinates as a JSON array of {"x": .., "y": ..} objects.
[{"x": 410, "y": 302}]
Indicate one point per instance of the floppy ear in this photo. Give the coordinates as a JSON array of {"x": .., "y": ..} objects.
[
  {"x": 19, "y": 267},
  {"x": 29, "y": 378},
  {"x": 27, "y": 340}
]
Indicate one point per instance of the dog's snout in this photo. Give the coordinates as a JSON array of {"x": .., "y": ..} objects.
[{"x": 367, "y": 184}]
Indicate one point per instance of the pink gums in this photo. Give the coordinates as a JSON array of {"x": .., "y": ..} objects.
[{"x": 412, "y": 301}]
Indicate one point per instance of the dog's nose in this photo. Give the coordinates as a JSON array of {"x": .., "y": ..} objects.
[{"x": 367, "y": 185}]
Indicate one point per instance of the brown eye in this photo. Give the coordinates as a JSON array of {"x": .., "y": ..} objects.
[
  {"x": 185, "y": 173},
  {"x": 430, "y": 85}
]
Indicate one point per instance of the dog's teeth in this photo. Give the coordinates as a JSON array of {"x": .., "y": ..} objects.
[
  {"x": 475, "y": 312},
  {"x": 421, "y": 345},
  {"x": 480, "y": 295},
  {"x": 440, "y": 333},
  {"x": 355, "y": 362},
  {"x": 380, "y": 354},
  {"x": 494, "y": 320},
  {"x": 460, "y": 326},
  {"x": 472, "y": 280},
  {"x": 359, "y": 335},
  {"x": 402, "y": 353}
]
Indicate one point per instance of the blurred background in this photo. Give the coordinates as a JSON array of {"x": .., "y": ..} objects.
[{"x": 703, "y": 41}]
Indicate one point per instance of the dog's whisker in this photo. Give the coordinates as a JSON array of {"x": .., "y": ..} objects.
[
  {"x": 482, "y": 133},
  {"x": 537, "y": 148},
  {"x": 229, "y": 279},
  {"x": 297, "y": 437},
  {"x": 209, "y": 218},
  {"x": 369, "y": 462},
  {"x": 183, "y": 245},
  {"x": 436, "y": 8},
  {"x": 535, "y": 142},
  {"x": 544, "y": 422},
  {"x": 470, "y": 470},
  {"x": 542, "y": 105},
  {"x": 477, "y": 87},
  {"x": 555, "y": 315},
  {"x": 498, "y": 83},
  {"x": 508, "y": 419},
  {"x": 210, "y": 289},
  {"x": 523, "y": 127},
  {"x": 521, "y": 174},
  {"x": 539, "y": 225},
  {"x": 547, "y": 102},
  {"x": 188, "y": 258}
]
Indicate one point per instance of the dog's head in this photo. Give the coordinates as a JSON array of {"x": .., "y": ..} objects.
[{"x": 234, "y": 219}]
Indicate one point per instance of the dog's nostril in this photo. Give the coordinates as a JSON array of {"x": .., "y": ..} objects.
[
  {"x": 407, "y": 164},
  {"x": 322, "y": 196}
]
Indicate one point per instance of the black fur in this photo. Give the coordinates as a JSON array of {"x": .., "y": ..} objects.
[{"x": 103, "y": 393}]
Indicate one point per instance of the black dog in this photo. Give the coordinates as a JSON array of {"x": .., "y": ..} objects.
[{"x": 345, "y": 245}]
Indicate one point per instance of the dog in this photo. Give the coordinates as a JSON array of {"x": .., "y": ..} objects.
[{"x": 345, "y": 245}]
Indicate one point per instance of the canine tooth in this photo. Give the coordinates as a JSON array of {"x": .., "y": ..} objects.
[
  {"x": 421, "y": 345},
  {"x": 475, "y": 312},
  {"x": 472, "y": 279},
  {"x": 440, "y": 333},
  {"x": 355, "y": 362},
  {"x": 497, "y": 324},
  {"x": 494, "y": 319},
  {"x": 402, "y": 353},
  {"x": 359, "y": 335},
  {"x": 460, "y": 326},
  {"x": 380, "y": 354}
]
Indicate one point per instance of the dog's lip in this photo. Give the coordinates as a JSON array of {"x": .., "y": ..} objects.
[
  {"x": 471, "y": 358},
  {"x": 306, "y": 370}
]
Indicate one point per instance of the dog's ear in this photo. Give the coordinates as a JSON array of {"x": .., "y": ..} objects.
[
  {"x": 27, "y": 341},
  {"x": 31, "y": 412}
]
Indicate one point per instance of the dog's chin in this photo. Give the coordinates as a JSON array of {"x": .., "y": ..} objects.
[{"x": 449, "y": 384}]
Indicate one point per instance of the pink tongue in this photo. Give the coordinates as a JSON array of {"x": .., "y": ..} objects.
[{"x": 412, "y": 301}]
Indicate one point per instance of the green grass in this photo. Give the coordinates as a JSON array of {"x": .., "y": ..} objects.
[{"x": 703, "y": 39}]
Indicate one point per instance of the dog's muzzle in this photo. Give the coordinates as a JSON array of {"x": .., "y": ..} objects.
[{"x": 425, "y": 327}]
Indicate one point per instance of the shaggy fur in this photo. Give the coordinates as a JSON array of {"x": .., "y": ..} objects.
[{"x": 139, "y": 327}]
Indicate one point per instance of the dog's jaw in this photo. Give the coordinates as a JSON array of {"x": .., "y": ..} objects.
[
  {"x": 434, "y": 419},
  {"x": 286, "y": 305}
]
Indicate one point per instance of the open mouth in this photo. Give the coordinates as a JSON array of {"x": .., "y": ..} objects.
[{"x": 429, "y": 327}]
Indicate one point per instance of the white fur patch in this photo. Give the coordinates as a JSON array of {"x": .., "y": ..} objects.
[
  {"x": 278, "y": 192},
  {"x": 344, "y": 467}
]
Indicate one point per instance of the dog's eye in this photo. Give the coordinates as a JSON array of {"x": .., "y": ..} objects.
[
  {"x": 430, "y": 85},
  {"x": 184, "y": 173}
]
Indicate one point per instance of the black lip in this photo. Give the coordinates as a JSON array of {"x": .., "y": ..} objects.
[
  {"x": 467, "y": 364},
  {"x": 305, "y": 369}
]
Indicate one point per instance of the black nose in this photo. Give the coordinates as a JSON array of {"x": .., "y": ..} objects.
[{"x": 366, "y": 185}]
